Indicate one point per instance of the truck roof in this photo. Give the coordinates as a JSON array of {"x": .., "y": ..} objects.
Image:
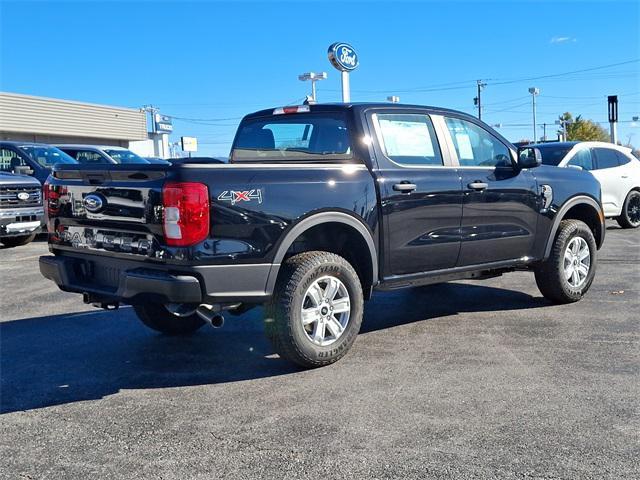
[
  {"x": 332, "y": 107},
  {"x": 362, "y": 106}
]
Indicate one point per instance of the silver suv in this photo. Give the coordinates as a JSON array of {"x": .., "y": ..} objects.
[{"x": 95, "y": 154}]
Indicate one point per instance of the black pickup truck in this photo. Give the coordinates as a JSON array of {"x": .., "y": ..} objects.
[{"x": 319, "y": 206}]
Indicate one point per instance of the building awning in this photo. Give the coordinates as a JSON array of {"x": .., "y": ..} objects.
[{"x": 50, "y": 116}]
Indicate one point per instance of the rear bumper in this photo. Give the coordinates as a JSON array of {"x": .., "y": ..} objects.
[{"x": 109, "y": 279}]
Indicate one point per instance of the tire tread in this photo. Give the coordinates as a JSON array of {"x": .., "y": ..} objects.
[
  {"x": 548, "y": 274},
  {"x": 279, "y": 309}
]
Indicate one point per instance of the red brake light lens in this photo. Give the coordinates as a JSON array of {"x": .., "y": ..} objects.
[{"x": 186, "y": 213}]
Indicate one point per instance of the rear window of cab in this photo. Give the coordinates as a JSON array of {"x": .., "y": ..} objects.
[{"x": 296, "y": 137}]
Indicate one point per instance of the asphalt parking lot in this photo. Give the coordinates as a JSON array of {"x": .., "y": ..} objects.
[{"x": 461, "y": 380}]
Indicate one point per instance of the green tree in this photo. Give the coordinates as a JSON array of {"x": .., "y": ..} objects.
[{"x": 580, "y": 129}]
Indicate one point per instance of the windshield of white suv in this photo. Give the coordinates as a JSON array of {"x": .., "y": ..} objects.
[
  {"x": 293, "y": 137},
  {"x": 46, "y": 156},
  {"x": 125, "y": 156}
]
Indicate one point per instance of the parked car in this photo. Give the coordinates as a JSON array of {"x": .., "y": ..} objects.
[
  {"x": 21, "y": 210},
  {"x": 35, "y": 159},
  {"x": 617, "y": 170},
  {"x": 93, "y": 154},
  {"x": 157, "y": 160},
  {"x": 320, "y": 206}
]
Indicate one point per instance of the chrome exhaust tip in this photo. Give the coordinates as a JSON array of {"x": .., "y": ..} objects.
[{"x": 210, "y": 315}]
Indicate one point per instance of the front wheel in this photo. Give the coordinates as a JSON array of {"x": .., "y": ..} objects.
[
  {"x": 316, "y": 312},
  {"x": 569, "y": 271},
  {"x": 630, "y": 215},
  {"x": 17, "y": 240},
  {"x": 168, "y": 319}
]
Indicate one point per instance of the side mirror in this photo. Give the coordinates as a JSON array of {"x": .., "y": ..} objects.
[
  {"x": 529, "y": 157},
  {"x": 22, "y": 170}
]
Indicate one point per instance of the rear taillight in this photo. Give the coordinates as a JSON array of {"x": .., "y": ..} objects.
[
  {"x": 186, "y": 213},
  {"x": 51, "y": 198}
]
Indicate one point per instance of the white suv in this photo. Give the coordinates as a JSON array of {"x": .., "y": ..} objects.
[{"x": 617, "y": 170}]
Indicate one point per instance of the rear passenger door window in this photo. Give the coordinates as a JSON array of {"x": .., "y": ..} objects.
[
  {"x": 606, "y": 158},
  {"x": 408, "y": 139},
  {"x": 475, "y": 146},
  {"x": 622, "y": 158},
  {"x": 582, "y": 159}
]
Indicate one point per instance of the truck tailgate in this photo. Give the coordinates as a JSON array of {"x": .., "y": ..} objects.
[{"x": 114, "y": 209}]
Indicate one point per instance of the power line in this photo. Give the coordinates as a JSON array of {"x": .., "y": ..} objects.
[{"x": 553, "y": 75}]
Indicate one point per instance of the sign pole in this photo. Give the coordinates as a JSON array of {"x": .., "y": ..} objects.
[
  {"x": 345, "y": 59},
  {"x": 346, "y": 94},
  {"x": 612, "y": 101}
]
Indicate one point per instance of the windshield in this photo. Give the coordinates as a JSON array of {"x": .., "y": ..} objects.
[
  {"x": 125, "y": 156},
  {"x": 293, "y": 137},
  {"x": 46, "y": 156},
  {"x": 553, "y": 154}
]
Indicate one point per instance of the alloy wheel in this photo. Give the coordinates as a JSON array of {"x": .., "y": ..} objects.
[
  {"x": 325, "y": 310},
  {"x": 577, "y": 262},
  {"x": 633, "y": 210}
]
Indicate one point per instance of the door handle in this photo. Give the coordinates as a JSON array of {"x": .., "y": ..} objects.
[
  {"x": 624, "y": 176},
  {"x": 405, "y": 187},
  {"x": 478, "y": 185}
]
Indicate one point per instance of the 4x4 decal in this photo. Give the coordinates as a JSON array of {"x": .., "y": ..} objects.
[{"x": 236, "y": 196}]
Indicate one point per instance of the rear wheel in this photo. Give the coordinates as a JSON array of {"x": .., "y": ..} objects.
[
  {"x": 569, "y": 271},
  {"x": 630, "y": 216},
  {"x": 18, "y": 240},
  {"x": 169, "y": 319},
  {"x": 316, "y": 311}
]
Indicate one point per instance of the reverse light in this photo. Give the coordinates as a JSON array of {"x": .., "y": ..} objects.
[{"x": 186, "y": 213}]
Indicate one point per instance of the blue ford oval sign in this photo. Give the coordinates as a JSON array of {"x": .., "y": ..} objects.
[
  {"x": 343, "y": 57},
  {"x": 93, "y": 203}
]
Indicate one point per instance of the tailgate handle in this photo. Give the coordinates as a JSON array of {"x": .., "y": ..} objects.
[{"x": 95, "y": 179}]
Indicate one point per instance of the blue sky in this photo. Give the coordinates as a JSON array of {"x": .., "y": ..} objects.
[{"x": 208, "y": 63}]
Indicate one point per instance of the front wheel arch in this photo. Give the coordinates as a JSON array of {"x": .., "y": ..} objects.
[{"x": 582, "y": 208}]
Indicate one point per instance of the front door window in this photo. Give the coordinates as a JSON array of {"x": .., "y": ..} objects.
[{"x": 475, "y": 146}]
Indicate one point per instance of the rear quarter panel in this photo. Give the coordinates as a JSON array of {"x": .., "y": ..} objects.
[{"x": 254, "y": 205}]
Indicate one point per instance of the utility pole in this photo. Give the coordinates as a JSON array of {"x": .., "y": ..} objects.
[
  {"x": 544, "y": 132},
  {"x": 534, "y": 92},
  {"x": 478, "y": 99},
  {"x": 151, "y": 110}
]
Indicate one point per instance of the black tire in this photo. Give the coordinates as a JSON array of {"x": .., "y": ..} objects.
[
  {"x": 283, "y": 315},
  {"x": 158, "y": 318},
  {"x": 18, "y": 240},
  {"x": 550, "y": 274},
  {"x": 630, "y": 216}
]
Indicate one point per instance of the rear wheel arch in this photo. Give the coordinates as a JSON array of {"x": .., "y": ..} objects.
[
  {"x": 335, "y": 232},
  {"x": 582, "y": 208}
]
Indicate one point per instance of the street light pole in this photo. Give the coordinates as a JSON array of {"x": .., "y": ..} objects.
[
  {"x": 534, "y": 92},
  {"x": 314, "y": 77}
]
